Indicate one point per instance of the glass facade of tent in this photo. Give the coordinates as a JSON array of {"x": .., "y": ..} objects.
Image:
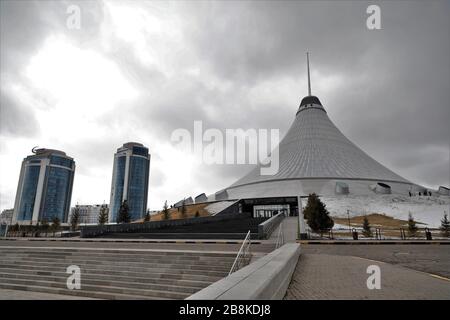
[{"x": 268, "y": 211}]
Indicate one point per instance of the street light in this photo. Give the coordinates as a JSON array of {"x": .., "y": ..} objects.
[
  {"x": 301, "y": 222},
  {"x": 349, "y": 227}
]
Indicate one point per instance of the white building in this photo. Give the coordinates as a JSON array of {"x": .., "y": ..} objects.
[
  {"x": 89, "y": 214},
  {"x": 6, "y": 216}
]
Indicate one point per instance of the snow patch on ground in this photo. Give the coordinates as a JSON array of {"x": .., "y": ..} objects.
[
  {"x": 428, "y": 210},
  {"x": 216, "y": 207}
]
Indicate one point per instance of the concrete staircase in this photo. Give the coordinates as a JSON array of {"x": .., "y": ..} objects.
[
  {"x": 228, "y": 229},
  {"x": 113, "y": 273}
]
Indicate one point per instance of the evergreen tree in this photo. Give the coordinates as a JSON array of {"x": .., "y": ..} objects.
[
  {"x": 445, "y": 226},
  {"x": 366, "y": 228},
  {"x": 166, "y": 214},
  {"x": 147, "y": 216},
  {"x": 103, "y": 215},
  {"x": 317, "y": 215},
  {"x": 75, "y": 218},
  {"x": 56, "y": 223},
  {"x": 44, "y": 225},
  {"x": 124, "y": 214},
  {"x": 412, "y": 228},
  {"x": 183, "y": 209}
]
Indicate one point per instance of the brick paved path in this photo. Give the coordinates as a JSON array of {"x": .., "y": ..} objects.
[{"x": 322, "y": 276}]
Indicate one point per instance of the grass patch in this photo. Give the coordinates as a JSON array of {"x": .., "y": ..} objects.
[
  {"x": 375, "y": 220},
  {"x": 191, "y": 210}
]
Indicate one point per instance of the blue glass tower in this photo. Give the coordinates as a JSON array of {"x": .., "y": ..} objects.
[
  {"x": 130, "y": 180},
  {"x": 45, "y": 187}
]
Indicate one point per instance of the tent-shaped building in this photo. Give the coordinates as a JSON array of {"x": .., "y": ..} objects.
[{"x": 314, "y": 156}]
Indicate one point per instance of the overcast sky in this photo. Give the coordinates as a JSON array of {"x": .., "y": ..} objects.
[{"x": 136, "y": 71}]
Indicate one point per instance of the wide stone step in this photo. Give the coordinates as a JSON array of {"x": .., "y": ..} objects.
[
  {"x": 27, "y": 274},
  {"x": 108, "y": 268},
  {"x": 97, "y": 288},
  {"x": 116, "y": 273},
  {"x": 181, "y": 235},
  {"x": 127, "y": 266},
  {"x": 122, "y": 252},
  {"x": 159, "y": 259},
  {"x": 201, "y": 265},
  {"x": 100, "y": 282},
  {"x": 120, "y": 255},
  {"x": 78, "y": 293}
]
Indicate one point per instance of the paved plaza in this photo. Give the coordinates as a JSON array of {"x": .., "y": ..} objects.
[
  {"x": 324, "y": 276},
  {"x": 429, "y": 258}
]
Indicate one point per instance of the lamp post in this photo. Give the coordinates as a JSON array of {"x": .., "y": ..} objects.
[
  {"x": 349, "y": 226},
  {"x": 301, "y": 220}
]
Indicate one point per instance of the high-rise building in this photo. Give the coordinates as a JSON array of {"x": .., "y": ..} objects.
[
  {"x": 130, "y": 180},
  {"x": 45, "y": 187}
]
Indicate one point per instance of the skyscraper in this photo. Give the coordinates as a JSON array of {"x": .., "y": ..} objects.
[
  {"x": 45, "y": 187},
  {"x": 130, "y": 180}
]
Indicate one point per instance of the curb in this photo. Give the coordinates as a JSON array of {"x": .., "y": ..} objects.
[{"x": 375, "y": 242}]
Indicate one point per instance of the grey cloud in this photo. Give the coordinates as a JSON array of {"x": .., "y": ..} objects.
[
  {"x": 396, "y": 92},
  {"x": 15, "y": 119},
  {"x": 393, "y": 102}
]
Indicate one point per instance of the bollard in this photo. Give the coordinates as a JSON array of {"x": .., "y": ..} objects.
[
  {"x": 354, "y": 234},
  {"x": 330, "y": 234},
  {"x": 402, "y": 234},
  {"x": 428, "y": 234},
  {"x": 378, "y": 233}
]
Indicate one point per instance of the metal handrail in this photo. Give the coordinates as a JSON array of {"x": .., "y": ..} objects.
[
  {"x": 243, "y": 254},
  {"x": 280, "y": 237}
]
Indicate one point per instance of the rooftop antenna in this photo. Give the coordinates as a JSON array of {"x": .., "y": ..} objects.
[{"x": 309, "y": 78}]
